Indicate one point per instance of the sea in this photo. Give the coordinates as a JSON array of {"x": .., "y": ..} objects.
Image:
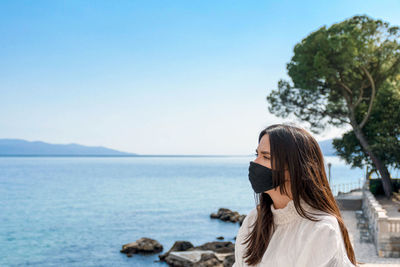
[{"x": 79, "y": 211}]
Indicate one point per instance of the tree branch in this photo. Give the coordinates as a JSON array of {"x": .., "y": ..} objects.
[
  {"x": 361, "y": 93},
  {"x": 345, "y": 87},
  {"x": 350, "y": 108},
  {"x": 371, "y": 80}
]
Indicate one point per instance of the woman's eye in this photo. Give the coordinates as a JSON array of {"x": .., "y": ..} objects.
[{"x": 263, "y": 157}]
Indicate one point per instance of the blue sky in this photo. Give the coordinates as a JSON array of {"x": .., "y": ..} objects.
[{"x": 154, "y": 77}]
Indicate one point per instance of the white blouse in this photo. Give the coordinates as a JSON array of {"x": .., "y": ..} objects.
[{"x": 297, "y": 241}]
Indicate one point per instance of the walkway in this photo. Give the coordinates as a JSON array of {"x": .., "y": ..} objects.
[
  {"x": 365, "y": 252},
  {"x": 392, "y": 208}
]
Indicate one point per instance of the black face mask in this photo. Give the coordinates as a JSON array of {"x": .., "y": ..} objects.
[{"x": 260, "y": 177}]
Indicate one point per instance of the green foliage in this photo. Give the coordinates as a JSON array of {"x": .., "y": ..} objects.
[
  {"x": 347, "y": 74},
  {"x": 382, "y": 131},
  {"x": 376, "y": 188},
  {"x": 329, "y": 71}
]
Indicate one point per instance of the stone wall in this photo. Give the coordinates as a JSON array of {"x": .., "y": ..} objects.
[{"x": 385, "y": 230}]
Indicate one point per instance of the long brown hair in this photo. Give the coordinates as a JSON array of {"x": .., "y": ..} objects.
[{"x": 296, "y": 149}]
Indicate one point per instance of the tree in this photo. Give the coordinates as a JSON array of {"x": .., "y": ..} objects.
[
  {"x": 382, "y": 132},
  {"x": 336, "y": 74}
]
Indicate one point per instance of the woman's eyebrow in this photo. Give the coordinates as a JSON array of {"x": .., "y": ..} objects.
[{"x": 263, "y": 152}]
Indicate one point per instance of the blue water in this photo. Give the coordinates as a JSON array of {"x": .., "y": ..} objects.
[{"x": 79, "y": 211}]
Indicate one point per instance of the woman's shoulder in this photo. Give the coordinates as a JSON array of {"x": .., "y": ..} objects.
[
  {"x": 325, "y": 229},
  {"x": 324, "y": 220},
  {"x": 325, "y": 239}
]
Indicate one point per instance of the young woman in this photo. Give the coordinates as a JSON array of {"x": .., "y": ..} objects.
[{"x": 296, "y": 221}]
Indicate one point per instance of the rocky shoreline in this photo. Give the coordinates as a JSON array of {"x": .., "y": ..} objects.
[
  {"x": 228, "y": 215},
  {"x": 184, "y": 254}
]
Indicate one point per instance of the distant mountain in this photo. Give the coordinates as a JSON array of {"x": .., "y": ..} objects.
[
  {"x": 19, "y": 147},
  {"x": 327, "y": 147},
  {"x": 16, "y": 147}
]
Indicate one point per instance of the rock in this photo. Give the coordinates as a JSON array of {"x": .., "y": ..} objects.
[
  {"x": 241, "y": 219},
  {"x": 177, "y": 246},
  {"x": 228, "y": 215},
  {"x": 217, "y": 246},
  {"x": 143, "y": 245},
  {"x": 196, "y": 258},
  {"x": 182, "y": 258},
  {"x": 209, "y": 260},
  {"x": 214, "y": 216},
  {"x": 229, "y": 260},
  {"x": 220, "y": 238},
  {"x": 183, "y": 254}
]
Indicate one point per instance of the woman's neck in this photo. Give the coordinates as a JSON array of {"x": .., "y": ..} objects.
[{"x": 280, "y": 201}]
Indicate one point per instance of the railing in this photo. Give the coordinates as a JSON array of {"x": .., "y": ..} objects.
[
  {"x": 393, "y": 225},
  {"x": 384, "y": 230},
  {"x": 346, "y": 187},
  {"x": 377, "y": 216}
]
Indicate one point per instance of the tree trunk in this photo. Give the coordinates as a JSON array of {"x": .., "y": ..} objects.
[{"x": 386, "y": 181}]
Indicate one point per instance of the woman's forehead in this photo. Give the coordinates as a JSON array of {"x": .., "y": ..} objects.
[{"x": 264, "y": 143}]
